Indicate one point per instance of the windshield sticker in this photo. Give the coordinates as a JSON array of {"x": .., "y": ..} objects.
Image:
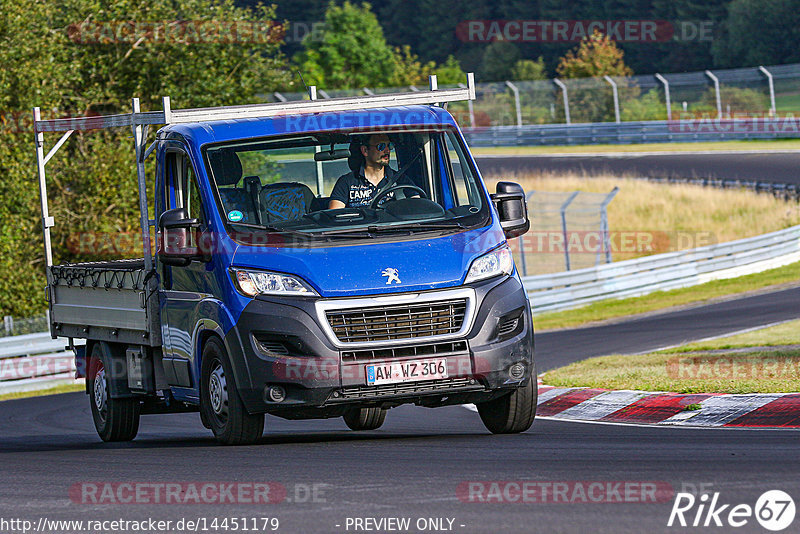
[{"x": 235, "y": 216}]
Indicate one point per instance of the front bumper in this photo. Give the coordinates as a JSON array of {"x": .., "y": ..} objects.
[{"x": 279, "y": 341}]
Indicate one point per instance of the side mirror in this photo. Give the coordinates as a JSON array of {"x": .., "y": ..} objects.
[
  {"x": 509, "y": 200},
  {"x": 174, "y": 238}
]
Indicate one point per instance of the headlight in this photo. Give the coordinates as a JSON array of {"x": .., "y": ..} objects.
[
  {"x": 252, "y": 283},
  {"x": 497, "y": 262}
]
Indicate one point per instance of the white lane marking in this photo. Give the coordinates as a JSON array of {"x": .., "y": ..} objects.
[
  {"x": 683, "y": 427},
  {"x": 602, "y": 405},
  {"x": 720, "y": 336},
  {"x": 721, "y": 409}
]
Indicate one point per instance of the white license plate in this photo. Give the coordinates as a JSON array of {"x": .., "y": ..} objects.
[{"x": 409, "y": 371}]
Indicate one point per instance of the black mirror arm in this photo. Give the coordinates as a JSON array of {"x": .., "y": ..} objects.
[{"x": 181, "y": 223}]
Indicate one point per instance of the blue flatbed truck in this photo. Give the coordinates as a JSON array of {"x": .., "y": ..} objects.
[{"x": 261, "y": 299}]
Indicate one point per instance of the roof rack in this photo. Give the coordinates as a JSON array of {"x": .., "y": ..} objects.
[
  {"x": 253, "y": 111},
  {"x": 140, "y": 122}
]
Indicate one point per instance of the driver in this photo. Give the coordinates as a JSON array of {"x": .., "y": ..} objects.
[{"x": 354, "y": 191}]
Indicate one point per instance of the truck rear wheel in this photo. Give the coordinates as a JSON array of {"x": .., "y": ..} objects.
[
  {"x": 114, "y": 419},
  {"x": 365, "y": 418},
  {"x": 220, "y": 404},
  {"x": 513, "y": 413}
]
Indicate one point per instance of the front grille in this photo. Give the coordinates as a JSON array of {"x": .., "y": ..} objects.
[
  {"x": 412, "y": 351},
  {"x": 409, "y": 388},
  {"x": 406, "y": 321}
]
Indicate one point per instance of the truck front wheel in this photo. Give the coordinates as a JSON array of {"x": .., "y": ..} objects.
[
  {"x": 220, "y": 404},
  {"x": 365, "y": 418},
  {"x": 114, "y": 419},
  {"x": 513, "y": 413}
]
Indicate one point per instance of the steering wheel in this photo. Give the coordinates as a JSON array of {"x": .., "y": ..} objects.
[{"x": 377, "y": 199}]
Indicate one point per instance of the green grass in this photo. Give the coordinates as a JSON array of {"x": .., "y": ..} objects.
[
  {"x": 781, "y": 144},
  {"x": 67, "y": 388},
  {"x": 611, "y": 309},
  {"x": 787, "y": 333},
  {"x": 692, "y": 369}
]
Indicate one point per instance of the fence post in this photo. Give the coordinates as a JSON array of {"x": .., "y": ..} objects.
[
  {"x": 716, "y": 89},
  {"x": 563, "y": 210},
  {"x": 8, "y": 323},
  {"x": 772, "y": 110},
  {"x": 469, "y": 106},
  {"x": 604, "y": 224},
  {"x": 664, "y": 81},
  {"x": 367, "y": 91},
  {"x": 280, "y": 97},
  {"x": 516, "y": 102},
  {"x": 566, "y": 99},
  {"x": 616, "y": 96}
]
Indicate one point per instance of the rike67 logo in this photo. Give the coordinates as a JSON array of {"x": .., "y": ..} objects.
[{"x": 774, "y": 510}]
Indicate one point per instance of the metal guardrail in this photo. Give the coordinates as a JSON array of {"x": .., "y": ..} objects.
[
  {"x": 631, "y": 278},
  {"x": 35, "y": 361},
  {"x": 674, "y": 131}
]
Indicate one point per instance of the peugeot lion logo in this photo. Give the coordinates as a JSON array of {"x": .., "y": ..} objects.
[{"x": 393, "y": 275}]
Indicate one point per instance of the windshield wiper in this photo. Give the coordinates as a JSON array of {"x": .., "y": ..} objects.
[
  {"x": 268, "y": 228},
  {"x": 433, "y": 225}
]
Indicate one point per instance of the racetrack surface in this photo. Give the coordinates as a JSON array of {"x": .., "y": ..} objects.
[
  {"x": 413, "y": 466},
  {"x": 765, "y": 167}
]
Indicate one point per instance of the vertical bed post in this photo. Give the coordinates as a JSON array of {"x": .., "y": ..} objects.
[
  {"x": 47, "y": 221},
  {"x": 138, "y": 136}
]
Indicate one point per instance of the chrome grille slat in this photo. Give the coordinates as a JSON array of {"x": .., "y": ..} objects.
[{"x": 405, "y": 321}]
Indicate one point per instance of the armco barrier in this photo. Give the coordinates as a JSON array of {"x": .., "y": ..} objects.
[
  {"x": 631, "y": 278},
  {"x": 633, "y": 132},
  {"x": 35, "y": 361}
]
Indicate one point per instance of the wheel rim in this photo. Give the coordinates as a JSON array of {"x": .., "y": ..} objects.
[
  {"x": 218, "y": 391},
  {"x": 101, "y": 392}
]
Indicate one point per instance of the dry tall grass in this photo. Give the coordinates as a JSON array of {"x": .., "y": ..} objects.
[{"x": 671, "y": 216}]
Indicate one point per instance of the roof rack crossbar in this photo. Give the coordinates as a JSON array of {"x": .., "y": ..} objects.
[{"x": 253, "y": 111}]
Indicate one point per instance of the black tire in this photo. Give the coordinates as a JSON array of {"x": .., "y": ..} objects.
[
  {"x": 365, "y": 418},
  {"x": 114, "y": 419},
  {"x": 513, "y": 413},
  {"x": 220, "y": 404}
]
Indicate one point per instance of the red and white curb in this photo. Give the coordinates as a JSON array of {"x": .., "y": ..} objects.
[
  {"x": 765, "y": 410},
  {"x": 759, "y": 410}
]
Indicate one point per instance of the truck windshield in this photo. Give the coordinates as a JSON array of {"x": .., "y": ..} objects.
[{"x": 348, "y": 185}]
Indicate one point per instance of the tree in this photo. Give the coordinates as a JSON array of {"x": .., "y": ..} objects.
[
  {"x": 351, "y": 52},
  {"x": 745, "y": 40},
  {"x": 596, "y": 56},
  {"x": 529, "y": 70},
  {"x": 70, "y": 59},
  {"x": 498, "y": 61}
]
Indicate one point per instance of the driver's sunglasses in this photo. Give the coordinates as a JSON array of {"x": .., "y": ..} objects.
[{"x": 380, "y": 147}]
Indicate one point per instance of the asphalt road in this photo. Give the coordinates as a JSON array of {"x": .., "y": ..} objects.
[
  {"x": 558, "y": 348},
  {"x": 767, "y": 167},
  {"x": 414, "y": 466}
]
